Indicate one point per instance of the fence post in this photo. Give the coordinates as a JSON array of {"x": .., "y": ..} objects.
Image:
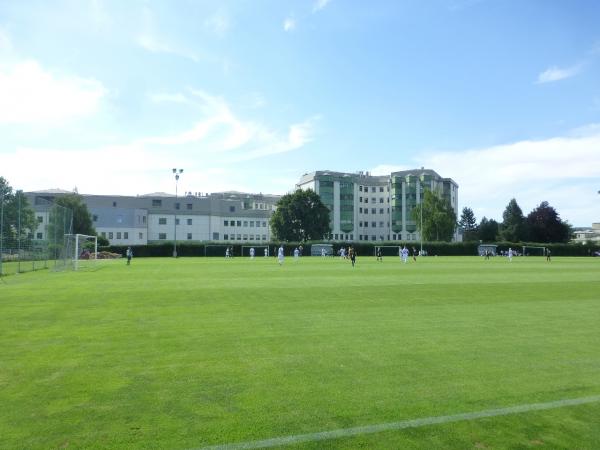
[{"x": 18, "y": 233}]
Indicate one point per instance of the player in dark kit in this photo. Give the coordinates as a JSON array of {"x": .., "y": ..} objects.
[{"x": 352, "y": 254}]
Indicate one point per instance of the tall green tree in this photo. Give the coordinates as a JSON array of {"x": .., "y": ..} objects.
[
  {"x": 469, "y": 224},
  {"x": 82, "y": 219},
  {"x": 545, "y": 225},
  {"x": 439, "y": 219},
  {"x": 513, "y": 228},
  {"x": 300, "y": 216},
  {"x": 17, "y": 213},
  {"x": 488, "y": 230}
]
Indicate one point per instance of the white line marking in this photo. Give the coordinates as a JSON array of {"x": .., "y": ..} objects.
[{"x": 370, "y": 429}]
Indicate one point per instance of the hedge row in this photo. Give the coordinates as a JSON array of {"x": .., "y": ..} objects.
[{"x": 361, "y": 248}]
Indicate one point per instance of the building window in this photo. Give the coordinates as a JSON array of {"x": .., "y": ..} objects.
[
  {"x": 251, "y": 237},
  {"x": 366, "y": 200},
  {"x": 226, "y": 222},
  {"x": 360, "y": 188},
  {"x": 143, "y": 219},
  {"x": 380, "y": 210},
  {"x": 373, "y": 237},
  {"x": 40, "y": 235},
  {"x": 373, "y": 189},
  {"x": 189, "y": 221},
  {"x": 373, "y": 200},
  {"x": 239, "y": 223},
  {"x": 252, "y": 224},
  {"x": 189, "y": 236},
  {"x": 215, "y": 236},
  {"x": 177, "y": 221},
  {"x": 366, "y": 224},
  {"x": 245, "y": 237},
  {"x": 374, "y": 224},
  {"x": 264, "y": 224},
  {"x": 239, "y": 237},
  {"x": 162, "y": 220},
  {"x": 245, "y": 223},
  {"x": 359, "y": 199},
  {"x": 103, "y": 234},
  {"x": 110, "y": 235},
  {"x": 188, "y": 206},
  {"x": 380, "y": 188},
  {"x": 380, "y": 224},
  {"x": 232, "y": 209},
  {"x": 351, "y": 237},
  {"x": 156, "y": 203},
  {"x": 162, "y": 236},
  {"x": 360, "y": 224},
  {"x": 225, "y": 237},
  {"x": 264, "y": 237},
  {"x": 114, "y": 204},
  {"x": 125, "y": 235},
  {"x": 120, "y": 218},
  {"x": 118, "y": 235},
  {"x": 335, "y": 236},
  {"x": 373, "y": 210},
  {"x": 177, "y": 205},
  {"x": 381, "y": 200},
  {"x": 141, "y": 235}
]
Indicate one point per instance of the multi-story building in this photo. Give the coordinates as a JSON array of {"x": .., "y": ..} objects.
[
  {"x": 364, "y": 207},
  {"x": 160, "y": 217}
]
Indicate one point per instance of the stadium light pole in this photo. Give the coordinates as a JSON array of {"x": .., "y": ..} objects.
[{"x": 176, "y": 172}]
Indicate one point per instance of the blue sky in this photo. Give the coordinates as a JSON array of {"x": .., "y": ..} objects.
[{"x": 108, "y": 96}]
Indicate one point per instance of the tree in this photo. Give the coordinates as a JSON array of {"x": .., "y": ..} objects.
[
  {"x": 469, "y": 224},
  {"x": 545, "y": 225},
  {"x": 513, "y": 228},
  {"x": 488, "y": 230},
  {"x": 300, "y": 216},
  {"x": 82, "y": 220},
  {"x": 439, "y": 219},
  {"x": 17, "y": 213}
]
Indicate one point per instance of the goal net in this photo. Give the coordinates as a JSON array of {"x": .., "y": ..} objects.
[
  {"x": 529, "y": 250},
  {"x": 259, "y": 250},
  {"x": 81, "y": 250},
  {"x": 387, "y": 250},
  {"x": 219, "y": 250}
]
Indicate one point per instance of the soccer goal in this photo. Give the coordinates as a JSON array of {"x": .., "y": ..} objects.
[
  {"x": 529, "y": 250},
  {"x": 387, "y": 250},
  {"x": 218, "y": 250},
  {"x": 82, "y": 250},
  {"x": 259, "y": 250}
]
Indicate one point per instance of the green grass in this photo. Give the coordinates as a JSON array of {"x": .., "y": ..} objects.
[{"x": 193, "y": 352}]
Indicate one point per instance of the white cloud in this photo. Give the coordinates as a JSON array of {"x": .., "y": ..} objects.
[
  {"x": 168, "y": 98},
  {"x": 555, "y": 73},
  {"x": 319, "y": 5},
  {"x": 289, "y": 24},
  {"x": 155, "y": 44},
  {"x": 218, "y": 23},
  {"x": 561, "y": 170},
  {"x": 32, "y": 94},
  {"x": 5, "y": 41}
]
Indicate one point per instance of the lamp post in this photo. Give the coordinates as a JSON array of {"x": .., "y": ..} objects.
[
  {"x": 176, "y": 172},
  {"x": 421, "y": 209}
]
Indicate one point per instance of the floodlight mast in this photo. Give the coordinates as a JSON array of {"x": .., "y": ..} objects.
[{"x": 176, "y": 172}]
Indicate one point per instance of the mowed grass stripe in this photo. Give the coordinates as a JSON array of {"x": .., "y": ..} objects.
[{"x": 181, "y": 353}]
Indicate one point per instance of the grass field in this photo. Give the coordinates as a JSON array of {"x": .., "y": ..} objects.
[{"x": 188, "y": 353}]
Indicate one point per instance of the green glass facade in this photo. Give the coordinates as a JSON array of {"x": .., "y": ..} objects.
[
  {"x": 346, "y": 206},
  {"x": 326, "y": 194},
  {"x": 397, "y": 201}
]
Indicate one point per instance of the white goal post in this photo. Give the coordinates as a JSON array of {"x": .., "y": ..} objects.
[
  {"x": 81, "y": 248},
  {"x": 388, "y": 250},
  {"x": 531, "y": 250},
  {"x": 259, "y": 250}
]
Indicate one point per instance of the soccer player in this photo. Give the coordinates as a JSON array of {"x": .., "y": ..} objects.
[
  {"x": 251, "y": 252},
  {"x": 404, "y": 255},
  {"x": 548, "y": 254},
  {"x": 378, "y": 253},
  {"x": 129, "y": 254},
  {"x": 510, "y": 254},
  {"x": 280, "y": 255},
  {"x": 322, "y": 252},
  {"x": 296, "y": 253},
  {"x": 352, "y": 255},
  {"x": 227, "y": 252},
  {"x": 414, "y": 252},
  {"x": 266, "y": 252}
]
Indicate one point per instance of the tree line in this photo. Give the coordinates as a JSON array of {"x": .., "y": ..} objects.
[{"x": 543, "y": 224}]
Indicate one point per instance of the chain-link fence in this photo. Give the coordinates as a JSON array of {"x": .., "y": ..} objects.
[{"x": 32, "y": 236}]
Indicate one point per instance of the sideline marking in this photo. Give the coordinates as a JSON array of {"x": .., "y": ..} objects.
[{"x": 414, "y": 423}]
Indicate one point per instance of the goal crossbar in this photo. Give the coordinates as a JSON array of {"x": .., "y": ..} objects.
[{"x": 77, "y": 251}]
